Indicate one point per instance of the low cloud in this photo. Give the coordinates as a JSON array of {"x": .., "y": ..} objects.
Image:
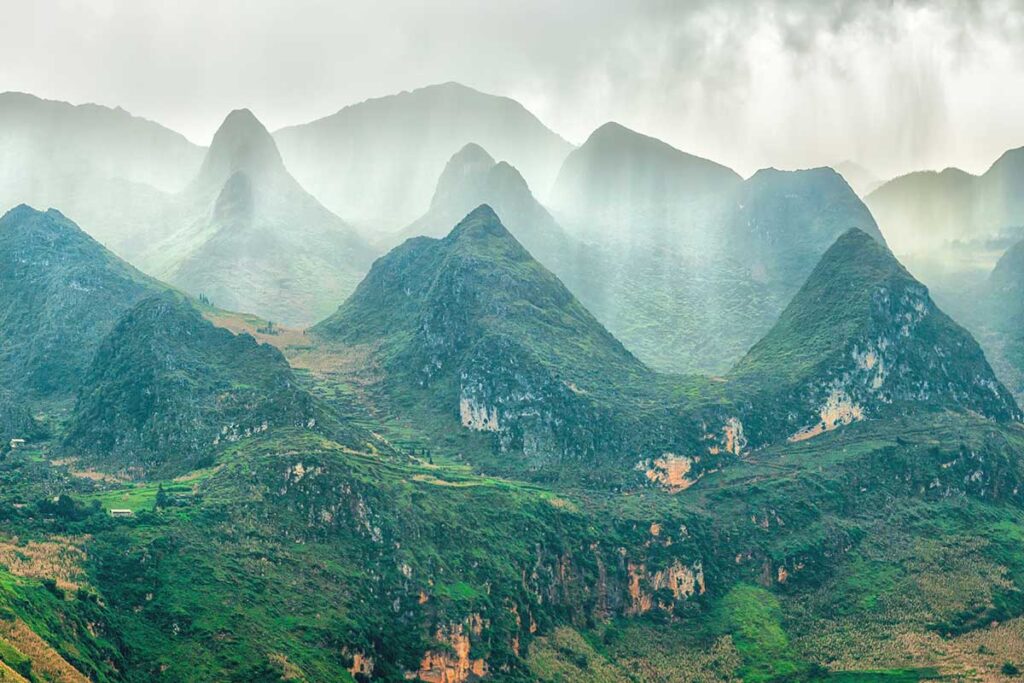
[{"x": 895, "y": 85}]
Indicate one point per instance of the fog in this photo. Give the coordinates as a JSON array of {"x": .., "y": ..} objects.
[{"x": 894, "y": 86}]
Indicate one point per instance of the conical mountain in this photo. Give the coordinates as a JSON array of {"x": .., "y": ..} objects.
[
  {"x": 472, "y": 178},
  {"x": 862, "y": 338},
  {"x": 376, "y": 162},
  {"x": 624, "y": 185},
  {"x": 492, "y": 336},
  {"x": 240, "y": 145},
  {"x": 251, "y": 239},
  {"x": 167, "y": 389},
  {"x": 60, "y": 294}
]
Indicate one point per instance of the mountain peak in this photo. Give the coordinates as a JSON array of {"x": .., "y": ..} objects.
[
  {"x": 479, "y": 224},
  {"x": 465, "y": 171},
  {"x": 619, "y": 174},
  {"x": 241, "y": 144},
  {"x": 26, "y": 219},
  {"x": 471, "y": 153},
  {"x": 610, "y": 129}
]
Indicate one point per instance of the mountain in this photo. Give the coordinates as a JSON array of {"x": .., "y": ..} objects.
[
  {"x": 953, "y": 216},
  {"x": 781, "y": 222},
  {"x": 167, "y": 389},
  {"x": 862, "y": 338},
  {"x": 697, "y": 301},
  {"x": 859, "y": 178},
  {"x": 46, "y": 141},
  {"x": 494, "y": 337},
  {"x": 61, "y": 292},
  {"x": 471, "y": 178},
  {"x": 994, "y": 312},
  {"x": 250, "y": 238},
  {"x": 376, "y": 162},
  {"x": 104, "y": 166},
  {"x": 622, "y": 185}
]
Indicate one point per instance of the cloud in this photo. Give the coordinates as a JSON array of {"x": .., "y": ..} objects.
[{"x": 894, "y": 84}]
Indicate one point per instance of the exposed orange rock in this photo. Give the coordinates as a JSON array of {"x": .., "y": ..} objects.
[
  {"x": 655, "y": 529},
  {"x": 839, "y": 410},
  {"x": 783, "y": 575},
  {"x": 670, "y": 472},
  {"x": 454, "y": 666},
  {"x": 514, "y": 609},
  {"x": 682, "y": 580},
  {"x": 732, "y": 431},
  {"x": 361, "y": 664}
]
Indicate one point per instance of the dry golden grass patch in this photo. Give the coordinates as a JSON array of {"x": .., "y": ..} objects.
[
  {"x": 9, "y": 675},
  {"x": 47, "y": 664},
  {"x": 59, "y": 558},
  {"x": 237, "y": 323},
  {"x": 89, "y": 474}
]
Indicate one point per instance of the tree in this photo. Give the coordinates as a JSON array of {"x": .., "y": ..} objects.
[{"x": 162, "y": 499}]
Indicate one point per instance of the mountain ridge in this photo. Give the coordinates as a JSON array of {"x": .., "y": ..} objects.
[{"x": 377, "y": 162}]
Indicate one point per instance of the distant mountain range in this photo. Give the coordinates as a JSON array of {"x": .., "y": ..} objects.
[
  {"x": 690, "y": 273},
  {"x": 974, "y": 217},
  {"x": 377, "y": 162},
  {"x": 106, "y": 168},
  {"x": 686, "y": 262}
]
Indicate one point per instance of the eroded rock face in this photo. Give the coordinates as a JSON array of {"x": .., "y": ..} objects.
[
  {"x": 682, "y": 580},
  {"x": 837, "y": 411},
  {"x": 670, "y": 471},
  {"x": 456, "y": 665},
  {"x": 361, "y": 665},
  {"x": 480, "y": 418}
]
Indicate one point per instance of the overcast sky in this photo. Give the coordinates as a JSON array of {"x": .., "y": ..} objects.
[{"x": 894, "y": 85}]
